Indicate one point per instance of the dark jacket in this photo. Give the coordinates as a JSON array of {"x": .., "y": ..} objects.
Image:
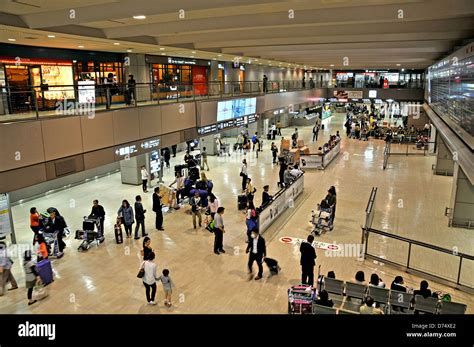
[
  {"x": 97, "y": 211},
  {"x": 426, "y": 293},
  {"x": 58, "y": 225},
  {"x": 139, "y": 211},
  {"x": 308, "y": 254},
  {"x": 266, "y": 198},
  {"x": 398, "y": 287},
  {"x": 261, "y": 247},
  {"x": 156, "y": 203}
]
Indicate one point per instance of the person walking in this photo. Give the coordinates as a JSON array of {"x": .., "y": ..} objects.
[
  {"x": 6, "y": 274},
  {"x": 196, "y": 205},
  {"x": 265, "y": 83},
  {"x": 126, "y": 213},
  {"x": 274, "y": 150},
  {"x": 98, "y": 211},
  {"x": 32, "y": 277},
  {"x": 281, "y": 173},
  {"x": 303, "y": 82},
  {"x": 132, "y": 90},
  {"x": 167, "y": 286},
  {"x": 149, "y": 278},
  {"x": 307, "y": 261},
  {"x": 204, "y": 159},
  {"x": 167, "y": 156},
  {"x": 145, "y": 177},
  {"x": 174, "y": 148},
  {"x": 157, "y": 209},
  {"x": 213, "y": 205},
  {"x": 219, "y": 231},
  {"x": 278, "y": 125},
  {"x": 257, "y": 251},
  {"x": 315, "y": 132},
  {"x": 243, "y": 174},
  {"x": 57, "y": 224},
  {"x": 147, "y": 250},
  {"x": 34, "y": 222},
  {"x": 139, "y": 217}
]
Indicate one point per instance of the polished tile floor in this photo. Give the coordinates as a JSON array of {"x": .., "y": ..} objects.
[{"x": 410, "y": 203}]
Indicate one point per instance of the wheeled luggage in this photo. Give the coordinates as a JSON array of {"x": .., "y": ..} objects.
[
  {"x": 242, "y": 202},
  {"x": 45, "y": 271},
  {"x": 300, "y": 299},
  {"x": 273, "y": 266},
  {"x": 118, "y": 234},
  {"x": 193, "y": 173}
]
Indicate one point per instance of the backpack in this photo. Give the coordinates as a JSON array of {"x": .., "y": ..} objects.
[{"x": 210, "y": 227}]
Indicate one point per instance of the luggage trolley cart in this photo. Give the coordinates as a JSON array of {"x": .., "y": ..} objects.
[
  {"x": 321, "y": 220},
  {"x": 225, "y": 149},
  {"x": 88, "y": 234},
  {"x": 51, "y": 239}
]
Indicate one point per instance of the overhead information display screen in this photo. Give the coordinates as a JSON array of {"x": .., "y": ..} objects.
[{"x": 236, "y": 108}]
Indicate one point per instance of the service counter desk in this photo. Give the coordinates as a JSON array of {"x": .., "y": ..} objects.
[
  {"x": 319, "y": 161},
  {"x": 282, "y": 200}
]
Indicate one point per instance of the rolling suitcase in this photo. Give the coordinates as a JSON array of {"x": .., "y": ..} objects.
[
  {"x": 45, "y": 271},
  {"x": 118, "y": 234},
  {"x": 242, "y": 202}
]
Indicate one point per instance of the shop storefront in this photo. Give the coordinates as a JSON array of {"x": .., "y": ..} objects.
[
  {"x": 182, "y": 75},
  {"x": 379, "y": 78},
  {"x": 29, "y": 74}
]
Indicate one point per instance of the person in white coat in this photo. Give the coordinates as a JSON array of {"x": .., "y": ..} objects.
[
  {"x": 145, "y": 177},
  {"x": 149, "y": 278}
]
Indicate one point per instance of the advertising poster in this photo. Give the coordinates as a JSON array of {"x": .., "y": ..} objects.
[
  {"x": 86, "y": 90},
  {"x": 348, "y": 94},
  {"x": 5, "y": 216}
]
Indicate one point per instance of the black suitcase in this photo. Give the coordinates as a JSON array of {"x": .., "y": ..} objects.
[
  {"x": 118, "y": 235},
  {"x": 322, "y": 126},
  {"x": 194, "y": 173},
  {"x": 242, "y": 202}
]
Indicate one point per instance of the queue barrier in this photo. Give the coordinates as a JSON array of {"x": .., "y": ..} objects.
[
  {"x": 282, "y": 200},
  {"x": 319, "y": 161}
]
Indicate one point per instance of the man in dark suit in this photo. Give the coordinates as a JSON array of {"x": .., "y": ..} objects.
[
  {"x": 139, "y": 217},
  {"x": 308, "y": 257},
  {"x": 98, "y": 212},
  {"x": 257, "y": 251},
  {"x": 157, "y": 209}
]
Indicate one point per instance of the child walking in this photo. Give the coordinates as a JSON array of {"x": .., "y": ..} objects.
[{"x": 167, "y": 286}]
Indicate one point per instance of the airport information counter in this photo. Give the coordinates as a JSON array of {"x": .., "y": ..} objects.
[
  {"x": 319, "y": 161},
  {"x": 282, "y": 200}
]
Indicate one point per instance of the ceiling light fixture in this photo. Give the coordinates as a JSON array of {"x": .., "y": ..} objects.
[
  {"x": 162, "y": 53},
  {"x": 80, "y": 46},
  {"x": 219, "y": 55},
  {"x": 116, "y": 43},
  {"x": 214, "y": 58},
  {"x": 162, "y": 48},
  {"x": 140, "y": 16},
  {"x": 129, "y": 51},
  {"x": 192, "y": 56},
  {"x": 12, "y": 40},
  {"x": 51, "y": 36},
  {"x": 331, "y": 65},
  {"x": 193, "y": 52},
  {"x": 398, "y": 64}
]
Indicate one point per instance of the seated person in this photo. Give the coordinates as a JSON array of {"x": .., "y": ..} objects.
[
  {"x": 369, "y": 308},
  {"x": 288, "y": 177},
  {"x": 324, "y": 299},
  {"x": 423, "y": 291},
  {"x": 320, "y": 150},
  {"x": 375, "y": 281},
  {"x": 360, "y": 277},
  {"x": 397, "y": 285}
]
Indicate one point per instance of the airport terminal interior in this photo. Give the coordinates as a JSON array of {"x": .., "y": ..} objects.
[{"x": 233, "y": 130}]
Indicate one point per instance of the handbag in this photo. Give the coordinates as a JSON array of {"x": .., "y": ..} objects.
[{"x": 141, "y": 272}]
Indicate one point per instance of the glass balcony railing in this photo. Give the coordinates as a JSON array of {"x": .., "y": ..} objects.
[{"x": 33, "y": 102}]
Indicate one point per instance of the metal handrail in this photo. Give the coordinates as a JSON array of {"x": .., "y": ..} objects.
[
  {"x": 33, "y": 100},
  {"x": 411, "y": 242}
]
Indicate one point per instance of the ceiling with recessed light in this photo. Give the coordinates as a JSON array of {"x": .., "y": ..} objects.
[{"x": 312, "y": 33}]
